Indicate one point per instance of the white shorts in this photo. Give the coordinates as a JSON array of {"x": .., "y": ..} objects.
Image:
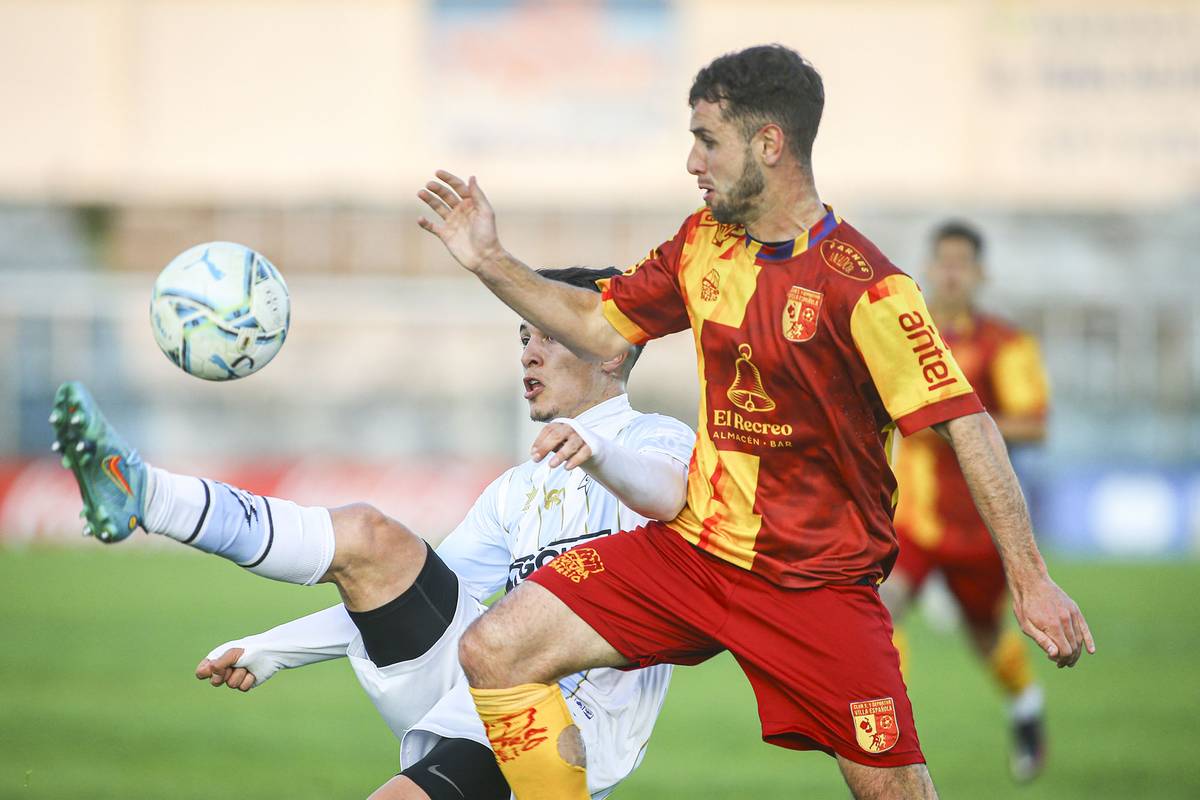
[{"x": 426, "y": 700}]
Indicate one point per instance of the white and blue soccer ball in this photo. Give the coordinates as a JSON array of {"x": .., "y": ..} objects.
[{"x": 220, "y": 311}]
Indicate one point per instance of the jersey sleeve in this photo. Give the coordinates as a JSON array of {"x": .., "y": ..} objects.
[
  {"x": 1019, "y": 378},
  {"x": 476, "y": 550},
  {"x": 912, "y": 369},
  {"x": 646, "y": 302},
  {"x": 657, "y": 433}
]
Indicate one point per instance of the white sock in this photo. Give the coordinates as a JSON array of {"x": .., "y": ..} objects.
[
  {"x": 1028, "y": 704},
  {"x": 174, "y": 504},
  {"x": 268, "y": 536}
]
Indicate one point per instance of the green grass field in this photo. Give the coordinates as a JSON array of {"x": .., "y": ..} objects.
[{"x": 97, "y": 698}]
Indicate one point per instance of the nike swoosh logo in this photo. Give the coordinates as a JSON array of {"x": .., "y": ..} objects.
[
  {"x": 112, "y": 468},
  {"x": 433, "y": 770}
]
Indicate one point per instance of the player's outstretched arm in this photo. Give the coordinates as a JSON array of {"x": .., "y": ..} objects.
[
  {"x": 249, "y": 662},
  {"x": 1045, "y": 612},
  {"x": 466, "y": 224},
  {"x": 652, "y": 484}
]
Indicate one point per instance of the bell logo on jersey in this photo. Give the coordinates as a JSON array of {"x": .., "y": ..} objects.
[
  {"x": 576, "y": 565},
  {"x": 801, "y": 313},
  {"x": 845, "y": 259},
  {"x": 875, "y": 725},
  {"x": 747, "y": 391},
  {"x": 925, "y": 340}
]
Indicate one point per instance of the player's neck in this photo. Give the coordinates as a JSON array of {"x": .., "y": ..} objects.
[
  {"x": 790, "y": 209},
  {"x": 608, "y": 393}
]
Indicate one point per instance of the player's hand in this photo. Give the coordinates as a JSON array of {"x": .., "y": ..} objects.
[
  {"x": 1052, "y": 619},
  {"x": 222, "y": 670},
  {"x": 567, "y": 446},
  {"x": 465, "y": 221}
]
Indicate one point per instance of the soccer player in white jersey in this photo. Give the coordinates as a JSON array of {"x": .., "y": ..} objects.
[{"x": 598, "y": 467}]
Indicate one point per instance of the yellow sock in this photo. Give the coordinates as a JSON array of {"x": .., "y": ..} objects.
[
  {"x": 900, "y": 642},
  {"x": 523, "y": 724},
  {"x": 1010, "y": 663}
]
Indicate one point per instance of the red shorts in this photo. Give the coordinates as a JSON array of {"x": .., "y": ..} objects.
[
  {"x": 976, "y": 581},
  {"x": 821, "y": 661}
]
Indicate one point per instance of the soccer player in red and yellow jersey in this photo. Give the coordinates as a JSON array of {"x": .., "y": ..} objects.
[
  {"x": 936, "y": 520},
  {"x": 812, "y": 351}
]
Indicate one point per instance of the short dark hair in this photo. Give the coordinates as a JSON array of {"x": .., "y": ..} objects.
[
  {"x": 763, "y": 84},
  {"x": 957, "y": 229},
  {"x": 585, "y": 278}
]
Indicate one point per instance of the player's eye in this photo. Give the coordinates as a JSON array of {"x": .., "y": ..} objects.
[{"x": 524, "y": 341}]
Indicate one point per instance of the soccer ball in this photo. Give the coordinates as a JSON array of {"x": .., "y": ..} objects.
[{"x": 220, "y": 311}]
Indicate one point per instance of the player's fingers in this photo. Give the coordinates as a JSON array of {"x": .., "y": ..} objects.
[
  {"x": 426, "y": 224},
  {"x": 228, "y": 658},
  {"x": 247, "y": 682},
  {"x": 568, "y": 448},
  {"x": 1071, "y": 637},
  {"x": 548, "y": 440},
  {"x": 453, "y": 181},
  {"x": 234, "y": 679},
  {"x": 447, "y": 195},
  {"x": 476, "y": 193},
  {"x": 203, "y": 669},
  {"x": 581, "y": 455},
  {"x": 434, "y": 202},
  {"x": 1076, "y": 636},
  {"x": 1088, "y": 640},
  {"x": 1041, "y": 639},
  {"x": 217, "y": 678}
]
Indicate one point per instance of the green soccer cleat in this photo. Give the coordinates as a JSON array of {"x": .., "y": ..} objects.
[{"x": 110, "y": 473}]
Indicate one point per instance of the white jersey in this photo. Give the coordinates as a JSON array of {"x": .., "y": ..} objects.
[{"x": 525, "y": 518}]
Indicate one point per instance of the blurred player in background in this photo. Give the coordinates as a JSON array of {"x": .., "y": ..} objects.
[
  {"x": 609, "y": 467},
  {"x": 812, "y": 350},
  {"x": 938, "y": 525}
]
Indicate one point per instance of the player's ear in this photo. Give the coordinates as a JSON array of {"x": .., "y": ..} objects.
[
  {"x": 613, "y": 366},
  {"x": 769, "y": 144}
]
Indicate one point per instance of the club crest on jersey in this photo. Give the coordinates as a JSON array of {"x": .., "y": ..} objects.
[
  {"x": 710, "y": 286},
  {"x": 845, "y": 259},
  {"x": 801, "y": 313},
  {"x": 875, "y": 724},
  {"x": 576, "y": 565}
]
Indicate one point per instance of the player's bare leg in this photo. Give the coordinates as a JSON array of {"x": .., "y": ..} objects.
[
  {"x": 1003, "y": 651},
  {"x": 399, "y": 788},
  {"x": 375, "y": 559},
  {"x": 911, "y": 782},
  {"x": 512, "y": 656}
]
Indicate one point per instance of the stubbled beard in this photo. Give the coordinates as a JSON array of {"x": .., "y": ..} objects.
[
  {"x": 543, "y": 416},
  {"x": 738, "y": 205}
]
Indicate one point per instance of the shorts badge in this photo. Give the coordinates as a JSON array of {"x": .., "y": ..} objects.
[
  {"x": 875, "y": 724},
  {"x": 577, "y": 564},
  {"x": 801, "y": 314}
]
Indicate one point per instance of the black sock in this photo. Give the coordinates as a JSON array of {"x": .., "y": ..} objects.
[{"x": 406, "y": 627}]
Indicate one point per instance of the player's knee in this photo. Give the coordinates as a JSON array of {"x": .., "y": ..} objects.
[
  {"x": 364, "y": 534},
  {"x": 482, "y": 652}
]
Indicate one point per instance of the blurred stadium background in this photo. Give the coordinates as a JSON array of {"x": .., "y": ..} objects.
[{"x": 132, "y": 129}]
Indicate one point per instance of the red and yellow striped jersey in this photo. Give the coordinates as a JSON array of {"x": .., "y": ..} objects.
[
  {"x": 936, "y": 511},
  {"x": 810, "y": 354}
]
